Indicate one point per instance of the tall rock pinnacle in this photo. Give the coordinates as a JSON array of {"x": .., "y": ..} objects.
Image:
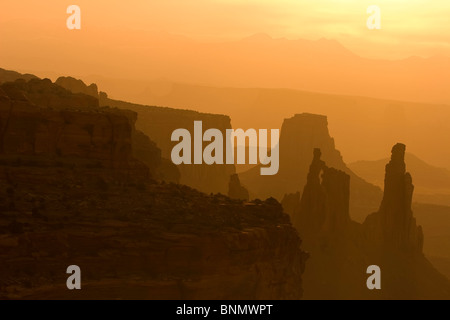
[
  {"x": 324, "y": 206},
  {"x": 394, "y": 221}
]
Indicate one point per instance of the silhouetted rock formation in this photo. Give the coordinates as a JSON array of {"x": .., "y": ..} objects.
[
  {"x": 324, "y": 206},
  {"x": 77, "y": 101},
  {"x": 158, "y": 124},
  {"x": 337, "y": 186},
  {"x": 72, "y": 189},
  {"x": 10, "y": 76},
  {"x": 78, "y": 86},
  {"x": 291, "y": 203},
  {"x": 46, "y": 94},
  {"x": 38, "y": 118},
  {"x": 394, "y": 222},
  {"x": 152, "y": 242},
  {"x": 431, "y": 183},
  {"x": 146, "y": 151},
  {"x": 341, "y": 250},
  {"x": 299, "y": 135},
  {"x": 235, "y": 190},
  {"x": 312, "y": 210}
]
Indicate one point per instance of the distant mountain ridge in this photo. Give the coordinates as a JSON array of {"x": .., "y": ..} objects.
[{"x": 257, "y": 61}]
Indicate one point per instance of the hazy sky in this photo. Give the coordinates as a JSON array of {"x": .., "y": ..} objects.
[{"x": 409, "y": 27}]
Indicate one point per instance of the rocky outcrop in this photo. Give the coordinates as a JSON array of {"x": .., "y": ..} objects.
[
  {"x": 235, "y": 190},
  {"x": 155, "y": 122},
  {"x": 158, "y": 124},
  {"x": 324, "y": 205},
  {"x": 342, "y": 250},
  {"x": 40, "y": 119},
  {"x": 394, "y": 223},
  {"x": 73, "y": 192},
  {"x": 81, "y": 114},
  {"x": 10, "y": 76},
  {"x": 46, "y": 94},
  {"x": 291, "y": 203},
  {"x": 78, "y": 86},
  {"x": 299, "y": 135},
  {"x": 147, "y": 151},
  {"x": 337, "y": 187},
  {"x": 155, "y": 241}
]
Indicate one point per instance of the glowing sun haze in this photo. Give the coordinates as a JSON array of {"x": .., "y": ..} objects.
[{"x": 409, "y": 27}]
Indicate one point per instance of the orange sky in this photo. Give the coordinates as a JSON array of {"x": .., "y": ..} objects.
[
  {"x": 409, "y": 27},
  {"x": 125, "y": 44}
]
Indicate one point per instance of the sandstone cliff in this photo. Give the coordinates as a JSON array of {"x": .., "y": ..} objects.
[
  {"x": 73, "y": 192},
  {"x": 46, "y": 94},
  {"x": 299, "y": 135},
  {"x": 158, "y": 123},
  {"x": 38, "y": 118},
  {"x": 140, "y": 242},
  {"x": 69, "y": 96}
]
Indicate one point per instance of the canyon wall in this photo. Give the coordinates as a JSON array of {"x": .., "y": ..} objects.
[
  {"x": 38, "y": 118},
  {"x": 72, "y": 109},
  {"x": 72, "y": 191},
  {"x": 156, "y": 241},
  {"x": 158, "y": 123}
]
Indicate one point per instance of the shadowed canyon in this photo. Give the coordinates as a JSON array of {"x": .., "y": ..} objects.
[{"x": 87, "y": 178}]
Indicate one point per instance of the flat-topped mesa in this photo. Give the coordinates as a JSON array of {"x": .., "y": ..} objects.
[
  {"x": 394, "y": 221},
  {"x": 324, "y": 206},
  {"x": 299, "y": 135}
]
